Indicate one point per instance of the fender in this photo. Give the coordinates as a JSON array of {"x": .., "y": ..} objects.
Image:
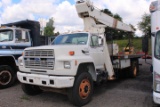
[
  {"x": 81, "y": 61},
  {"x": 78, "y": 59},
  {"x": 16, "y": 62}
]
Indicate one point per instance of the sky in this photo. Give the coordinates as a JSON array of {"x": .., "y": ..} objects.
[{"x": 64, "y": 12}]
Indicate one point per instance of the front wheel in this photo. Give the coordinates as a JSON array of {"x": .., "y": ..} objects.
[
  {"x": 7, "y": 76},
  {"x": 31, "y": 89},
  {"x": 82, "y": 91}
]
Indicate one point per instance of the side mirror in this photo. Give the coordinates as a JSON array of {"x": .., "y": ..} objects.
[{"x": 145, "y": 44}]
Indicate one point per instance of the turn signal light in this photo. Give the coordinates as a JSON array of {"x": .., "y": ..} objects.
[
  {"x": 157, "y": 28},
  {"x": 71, "y": 53}
]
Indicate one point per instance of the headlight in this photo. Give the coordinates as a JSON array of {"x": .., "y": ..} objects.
[
  {"x": 156, "y": 83},
  {"x": 67, "y": 65},
  {"x": 20, "y": 62}
]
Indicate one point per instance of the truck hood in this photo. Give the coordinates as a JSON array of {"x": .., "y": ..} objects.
[
  {"x": 62, "y": 50},
  {"x": 56, "y": 47}
]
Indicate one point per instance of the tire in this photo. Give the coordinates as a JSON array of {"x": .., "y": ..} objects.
[
  {"x": 31, "y": 89},
  {"x": 134, "y": 69},
  {"x": 7, "y": 76},
  {"x": 82, "y": 91}
]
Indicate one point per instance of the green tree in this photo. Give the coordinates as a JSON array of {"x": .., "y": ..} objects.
[
  {"x": 116, "y": 16},
  {"x": 144, "y": 25},
  {"x": 107, "y": 11},
  {"x": 49, "y": 29}
]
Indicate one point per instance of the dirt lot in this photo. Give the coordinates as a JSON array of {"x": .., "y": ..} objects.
[{"x": 135, "y": 92}]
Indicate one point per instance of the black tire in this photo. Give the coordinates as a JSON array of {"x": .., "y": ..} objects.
[
  {"x": 7, "y": 76},
  {"x": 82, "y": 91},
  {"x": 134, "y": 69},
  {"x": 31, "y": 89}
]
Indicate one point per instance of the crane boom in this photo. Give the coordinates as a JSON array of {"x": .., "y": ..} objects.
[{"x": 94, "y": 19}]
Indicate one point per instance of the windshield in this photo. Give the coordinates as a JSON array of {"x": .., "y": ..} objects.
[
  {"x": 157, "y": 45},
  {"x": 76, "y": 38},
  {"x": 6, "y": 35}
]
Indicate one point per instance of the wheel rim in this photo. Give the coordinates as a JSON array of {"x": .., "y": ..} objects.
[
  {"x": 84, "y": 88},
  {"x": 135, "y": 71},
  {"x": 5, "y": 77}
]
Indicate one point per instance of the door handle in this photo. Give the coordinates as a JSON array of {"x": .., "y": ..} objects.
[{"x": 85, "y": 51}]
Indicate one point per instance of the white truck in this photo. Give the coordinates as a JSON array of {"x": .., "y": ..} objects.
[
  {"x": 155, "y": 31},
  {"x": 76, "y": 60}
]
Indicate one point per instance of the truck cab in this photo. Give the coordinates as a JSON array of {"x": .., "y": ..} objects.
[
  {"x": 64, "y": 57},
  {"x": 92, "y": 43},
  {"x": 14, "y": 38}
]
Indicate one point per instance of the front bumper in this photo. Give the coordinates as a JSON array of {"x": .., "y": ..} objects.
[
  {"x": 45, "y": 80},
  {"x": 156, "y": 97}
]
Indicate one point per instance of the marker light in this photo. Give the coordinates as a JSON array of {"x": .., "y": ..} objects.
[
  {"x": 157, "y": 28},
  {"x": 71, "y": 53},
  {"x": 76, "y": 62}
]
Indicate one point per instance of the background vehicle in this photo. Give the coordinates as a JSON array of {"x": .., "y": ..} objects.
[
  {"x": 76, "y": 60},
  {"x": 14, "y": 38}
]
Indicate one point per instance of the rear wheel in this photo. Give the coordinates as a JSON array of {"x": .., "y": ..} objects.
[
  {"x": 82, "y": 91},
  {"x": 7, "y": 76},
  {"x": 31, "y": 89}
]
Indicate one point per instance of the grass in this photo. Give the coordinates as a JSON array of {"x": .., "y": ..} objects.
[{"x": 137, "y": 44}]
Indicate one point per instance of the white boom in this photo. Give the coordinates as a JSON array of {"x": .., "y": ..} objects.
[
  {"x": 95, "y": 21},
  {"x": 94, "y": 18}
]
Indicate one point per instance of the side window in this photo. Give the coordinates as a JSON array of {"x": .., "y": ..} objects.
[
  {"x": 26, "y": 36},
  {"x": 22, "y": 36},
  {"x": 94, "y": 41},
  {"x": 18, "y": 35},
  {"x": 157, "y": 45}
]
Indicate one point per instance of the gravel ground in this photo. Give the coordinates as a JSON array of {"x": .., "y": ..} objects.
[{"x": 135, "y": 92}]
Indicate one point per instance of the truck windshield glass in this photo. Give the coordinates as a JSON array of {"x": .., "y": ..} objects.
[
  {"x": 157, "y": 45},
  {"x": 6, "y": 35},
  {"x": 76, "y": 38}
]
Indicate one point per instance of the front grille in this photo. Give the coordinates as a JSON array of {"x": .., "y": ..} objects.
[
  {"x": 39, "y": 59},
  {"x": 39, "y": 53}
]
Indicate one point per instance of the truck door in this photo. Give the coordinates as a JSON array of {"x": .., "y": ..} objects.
[
  {"x": 96, "y": 51},
  {"x": 22, "y": 41}
]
